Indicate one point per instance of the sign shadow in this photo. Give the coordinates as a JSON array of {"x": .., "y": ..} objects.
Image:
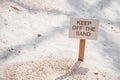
[{"x": 75, "y": 70}]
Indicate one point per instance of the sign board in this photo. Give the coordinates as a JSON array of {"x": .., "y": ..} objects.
[{"x": 83, "y": 28}]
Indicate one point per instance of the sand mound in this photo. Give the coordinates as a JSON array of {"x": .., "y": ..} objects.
[{"x": 39, "y": 70}]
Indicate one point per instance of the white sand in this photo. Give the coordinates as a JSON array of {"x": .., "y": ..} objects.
[{"x": 52, "y": 55}]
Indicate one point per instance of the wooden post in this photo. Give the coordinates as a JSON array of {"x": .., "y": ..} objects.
[{"x": 81, "y": 50}]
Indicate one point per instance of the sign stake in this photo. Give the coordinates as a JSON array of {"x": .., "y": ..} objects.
[
  {"x": 83, "y": 29},
  {"x": 81, "y": 50}
]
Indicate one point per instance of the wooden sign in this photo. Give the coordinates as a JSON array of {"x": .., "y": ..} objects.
[{"x": 83, "y": 29}]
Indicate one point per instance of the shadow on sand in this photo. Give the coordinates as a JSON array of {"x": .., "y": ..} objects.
[{"x": 75, "y": 70}]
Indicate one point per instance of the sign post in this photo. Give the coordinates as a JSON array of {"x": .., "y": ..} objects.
[
  {"x": 81, "y": 50},
  {"x": 83, "y": 29}
]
